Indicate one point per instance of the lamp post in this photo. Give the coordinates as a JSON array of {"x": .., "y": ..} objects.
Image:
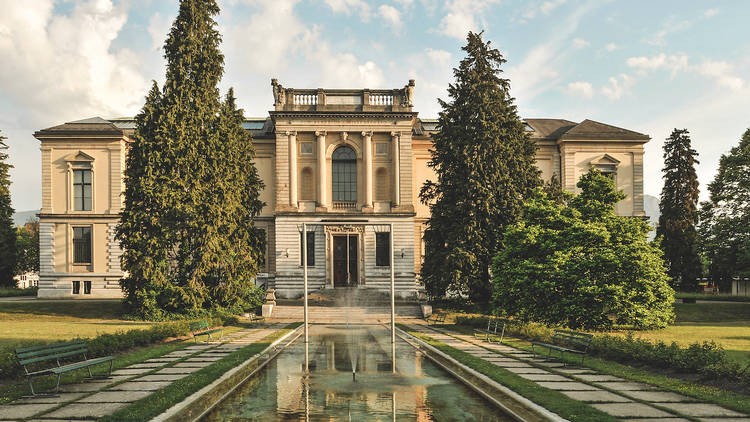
[
  {"x": 304, "y": 272},
  {"x": 393, "y": 304}
]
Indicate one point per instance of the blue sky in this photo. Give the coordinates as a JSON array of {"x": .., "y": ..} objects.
[{"x": 643, "y": 65}]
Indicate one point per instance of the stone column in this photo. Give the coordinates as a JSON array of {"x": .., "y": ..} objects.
[
  {"x": 368, "y": 168},
  {"x": 322, "y": 200},
  {"x": 396, "y": 168},
  {"x": 292, "y": 137}
]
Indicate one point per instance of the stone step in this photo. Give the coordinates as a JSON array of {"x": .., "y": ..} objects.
[{"x": 343, "y": 314}]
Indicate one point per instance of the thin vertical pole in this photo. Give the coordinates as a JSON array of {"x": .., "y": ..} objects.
[
  {"x": 393, "y": 304},
  {"x": 304, "y": 272}
]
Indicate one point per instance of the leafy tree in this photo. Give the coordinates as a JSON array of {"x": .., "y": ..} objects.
[
  {"x": 679, "y": 211},
  {"x": 28, "y": 247},
  {"x": 7, "y": 227},
  {"x": 191, "y": 189},
  {"x": 553, "y": 189},
  {"x": 581, "y": 265},
  {"x": 725, "y": 217},
  {"x": 484, "y": 161}
]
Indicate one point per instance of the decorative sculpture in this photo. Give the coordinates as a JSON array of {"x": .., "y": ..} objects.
[
  {"x": 279, "y": 93},
  {"x": 408, "y": 97}
]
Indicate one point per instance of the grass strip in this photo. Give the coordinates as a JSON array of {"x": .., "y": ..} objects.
[
  {"x": 161, "y": 400},
  {"x": 700, "y": 392},
  {"x": 551, "y": 400},
  {"x": 720, "y": 297}
]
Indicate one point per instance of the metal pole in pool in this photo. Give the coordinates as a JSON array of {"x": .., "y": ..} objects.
[
  {"x": 304, "y": 272},
  {"x": 393, "y": 305}
]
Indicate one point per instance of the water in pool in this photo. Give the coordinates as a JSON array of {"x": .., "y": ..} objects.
[{"x": 418, "y": 391}]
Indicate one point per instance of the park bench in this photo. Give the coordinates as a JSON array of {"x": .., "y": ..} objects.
[
  {"x": 66, "y": 356},
  {"x": 491, "y": 332},
  {"x": 202, "y": 328},
  {"x": 581, "y": 342},
  {"x": 436, "y": 318}
]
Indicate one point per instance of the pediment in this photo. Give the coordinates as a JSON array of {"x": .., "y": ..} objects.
[
  {"x": 79, "y": 157},
  {"x": 605, "y": 160}
]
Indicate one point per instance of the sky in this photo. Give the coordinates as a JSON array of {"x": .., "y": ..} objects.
[{"x": 648, "y": 66}]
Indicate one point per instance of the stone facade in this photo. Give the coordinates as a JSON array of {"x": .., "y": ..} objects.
[{"x": 347, "y": 162}]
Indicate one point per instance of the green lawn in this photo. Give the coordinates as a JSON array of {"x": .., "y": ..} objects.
[
  {"x": 727, "y": 324},
  {"x": 56, "y": 321}
]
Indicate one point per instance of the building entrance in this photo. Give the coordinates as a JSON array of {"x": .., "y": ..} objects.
[{"x": 345, "y": 258}]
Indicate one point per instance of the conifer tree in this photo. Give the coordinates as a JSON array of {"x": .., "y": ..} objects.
[
  {"x": 485, "y": 166},
  {"x": 725, "y": 218},
  {"x": 192, "y": 190},
  {"x": 7, "y": 228},
  {"x": 679, "y": 211}
]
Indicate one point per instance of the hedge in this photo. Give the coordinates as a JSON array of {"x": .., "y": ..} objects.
[
  {"x": 105, "y": 344},
  {"x": 707, "y": 358},
  {"x": 29, "y": 291}
]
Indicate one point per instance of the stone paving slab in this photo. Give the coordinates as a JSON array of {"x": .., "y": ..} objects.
[
  {"x": 61, "y": 420},
  {"x": 163, "y": 359},
  {"x": 86, "y": 410},
  {"x": 567, "y": 386},
  {"x": 551, "y": 364},
  {"x": 20, "y": 411},
  {"x": 633, "y": 410},
  {"x": 626, "y": 386},
  {"x": 659, "y": 396},
  {"x": 662, "y": 420},
  {"x": 146, "y": 365},
  {"x": 529, "y": 370},
  {"x": 204, "y": 359},
  {"x": 575, "y": 371},
  {"x": 723, "y": 419},
  {"x": 543, "y": 377},
  {"x": 115, "y": 397},
  {"x": 175, "y": 370},
  {"x": 187, "y": 364},
  {"x": 141, "y": 386},
  {"x": 700, "y": 409},
  {"x": 598, "y": 377},
  {"x": 132, "y": 371},
  {"x": 512, "y": 364},
  {"x": 596, "y": 396},
  {"x": 82, "y": 388},
  {"x": 61, "y": 398},
  {"x": 163, "y": 377}
]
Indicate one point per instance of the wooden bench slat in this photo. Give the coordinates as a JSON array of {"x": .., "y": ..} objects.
[
  {"x": 82, "y": 364},
  {"x": 51, "y": 351},
  {"x": 52, "y": 357},
  {"x": 48, "y": 346}
]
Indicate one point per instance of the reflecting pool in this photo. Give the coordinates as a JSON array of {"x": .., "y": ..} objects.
[{"x": 418, "y": 391}]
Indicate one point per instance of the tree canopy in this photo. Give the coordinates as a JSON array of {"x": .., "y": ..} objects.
[
  {"x": 191, "y": 188},
  {"x": 7, "y": 227},
  {"x": 679, "y": 211},
  {"x": 485, "y": 167},
  {"x": 725, "y": 217},
  {"x": 580, "y": 265},
  {"x": 28, "y": 247}
]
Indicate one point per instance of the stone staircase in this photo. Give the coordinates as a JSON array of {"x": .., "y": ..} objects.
[{"x": 335, "y": 314}]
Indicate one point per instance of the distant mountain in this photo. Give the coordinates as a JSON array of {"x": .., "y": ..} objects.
[
  {"x": 651, "y": 206},
  {"x": 22, "y": 217}
]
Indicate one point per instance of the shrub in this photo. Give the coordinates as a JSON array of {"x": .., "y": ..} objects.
[{"x": 29, "y": 291}]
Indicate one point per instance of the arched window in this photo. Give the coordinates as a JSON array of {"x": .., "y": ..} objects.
[
  {"x": 344, "y": 175},
  {"x": 307, "y": 190},
  {"x": 382, "y": 185}
]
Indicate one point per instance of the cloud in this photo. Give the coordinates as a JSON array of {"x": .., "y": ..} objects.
[
  {"x": 618, "y": 88},
  {"x": 391, "y": 15},
  {"x": 545, "y": 8},
  {"x": 709, "y": 13},
  {"x": 549, "y": 6},
  {"x": 722, "y": 73},
  {"x": 580, "y": 89},
  {"x": 610, "y": 47},
  {"x": 350, "y": 6},
  {"x": 580, "y": 43},
  {"x": 439, "y": 57},
  {"x": 462, "y": 17},
  {"x": 158, "y": 28},
  {"x": 669, "y": 27},
  {"x": 673, "y": 63}
]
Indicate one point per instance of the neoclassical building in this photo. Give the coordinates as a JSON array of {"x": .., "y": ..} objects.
[{"x": 350, "y": 160}]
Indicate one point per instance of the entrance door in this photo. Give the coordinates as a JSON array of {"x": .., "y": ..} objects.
[{"x": 345, "y": 275}]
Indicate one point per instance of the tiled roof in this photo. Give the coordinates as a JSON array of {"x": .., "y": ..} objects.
[
  {"x": 589, "y": 129},
  {"x": 549, "y": 128},
  {"x": 93, "y": 125}
]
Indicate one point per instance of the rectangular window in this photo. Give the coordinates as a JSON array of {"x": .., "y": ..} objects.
[
  {"x": 76, "y": 287},
  {"x": 310, "y": 249},
  {"x": 82, "y": 190},
  {"x": 383, "y": 249},
  {"x": 306, "y": 148},
  {"x": 381, "y": 148},
  {"x": 82, "y": 245},
  {"x": 87, "y": 287}
]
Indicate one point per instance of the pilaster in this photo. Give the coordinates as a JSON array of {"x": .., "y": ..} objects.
[
  {"x": 322, "y": 173},
  {"x": 292, "y": 139},
  {"x": 396, "y": 168},
  {"x": 368, "y": 168}
]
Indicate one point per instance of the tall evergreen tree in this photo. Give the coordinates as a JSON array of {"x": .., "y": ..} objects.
[
  {"x": 679, "y": 211},
  {"x": 485, "y": 166},
  {"x": 191, "y": 188},
  {"x": 725, "y": 218},
  {"x": 7, "y": 228}
]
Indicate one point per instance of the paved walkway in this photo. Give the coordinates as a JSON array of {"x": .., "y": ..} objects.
[
  {"x": 633, "y": 401},
  {"x": 97, "y": 398}
]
